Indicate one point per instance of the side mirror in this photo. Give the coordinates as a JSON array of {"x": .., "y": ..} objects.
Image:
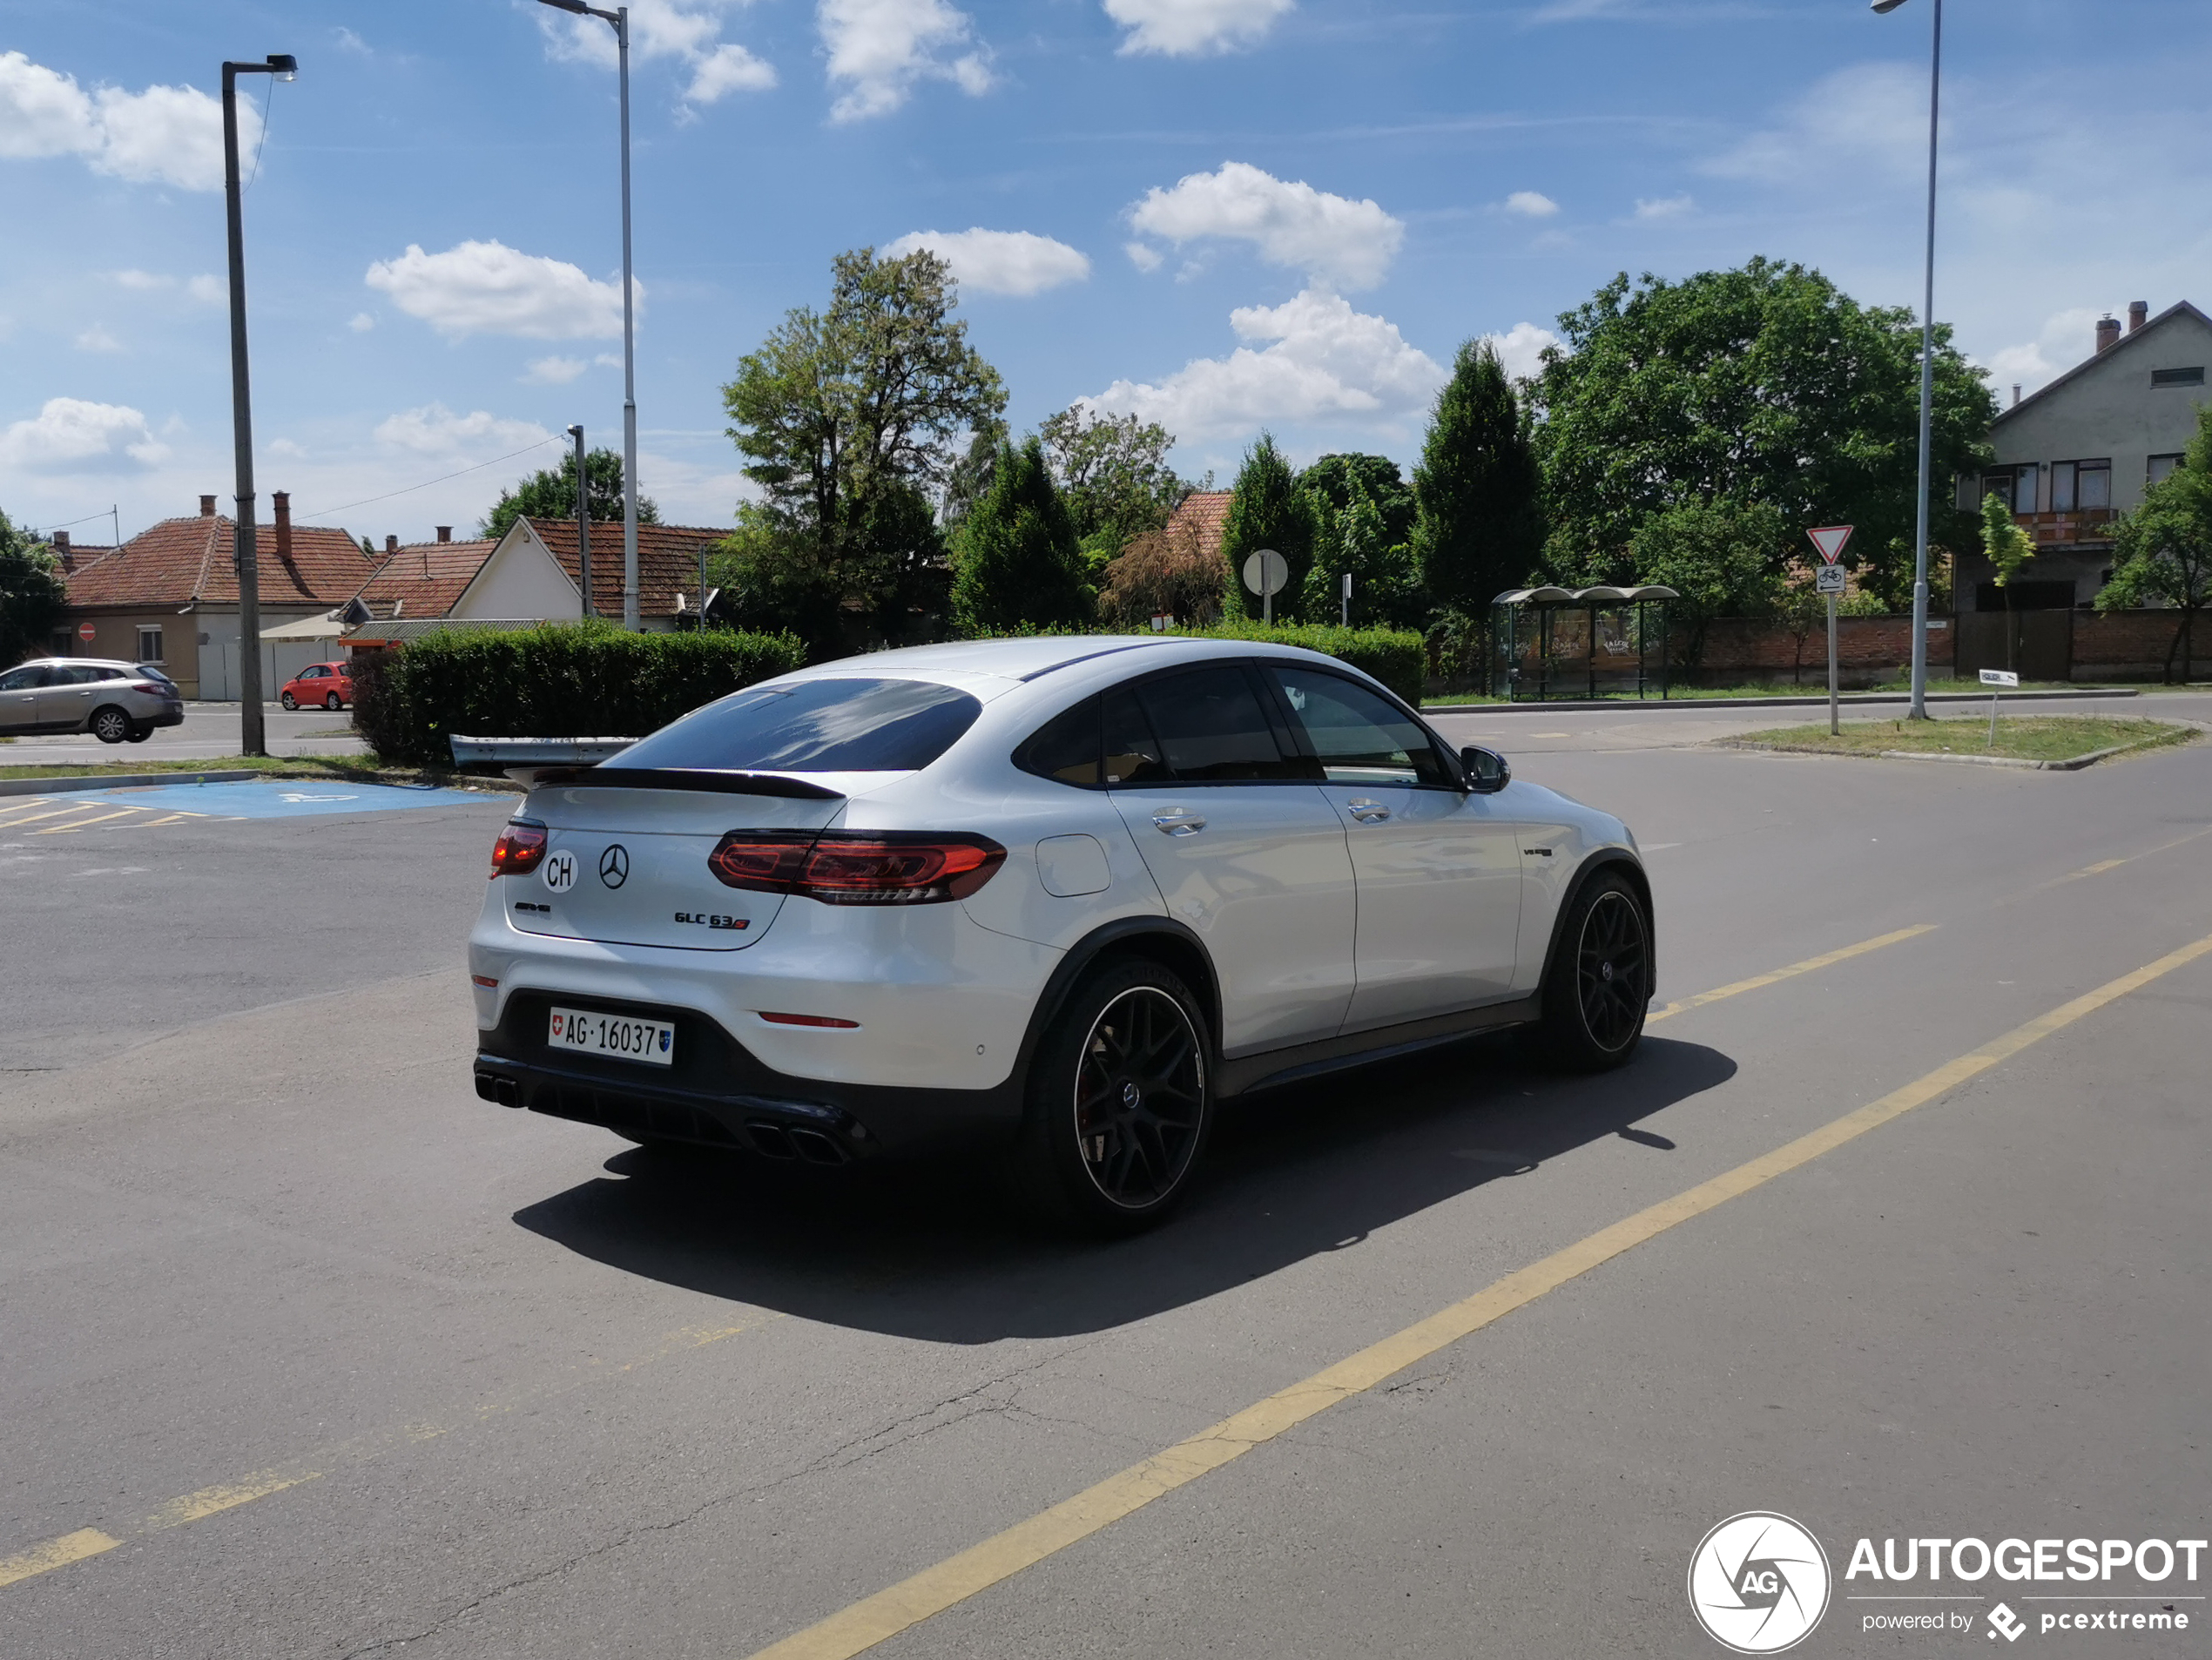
[{"x": 1486, "y": 770}]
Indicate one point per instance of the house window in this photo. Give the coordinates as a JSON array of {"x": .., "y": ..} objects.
[
  {"x": 2080, "y": 484},
  {"x": 2161, "y": 469},
  {"x": 2178, "y": 377},
  {"x": 150, "y": 644},
  {"x": 2015, "y": 484}
]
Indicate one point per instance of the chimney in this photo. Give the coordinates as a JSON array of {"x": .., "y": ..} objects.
[
  {"x": 207, "y": 507},
  {"x": 445, "y": 533},
  {"x": 2107, "y": 332},
  {"x": 61, "y": 552},
  {"x": 2016, "y": 392},
  {"x": 2138, "y": 314},
  {"x": 282, "y": 501},
  {"x": 391, "y": 546}
]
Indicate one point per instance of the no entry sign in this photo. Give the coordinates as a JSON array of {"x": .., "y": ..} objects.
[{"x": 86, "y": 632}]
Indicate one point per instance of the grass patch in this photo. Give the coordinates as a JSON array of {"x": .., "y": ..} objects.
[
  {"x": 355, "y": 769},
  {"x": 1811, "y": 688},
  {"x": 2021, "y": 738}
]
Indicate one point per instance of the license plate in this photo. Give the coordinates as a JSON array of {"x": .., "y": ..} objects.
[{"x": 625, "y": 1039}]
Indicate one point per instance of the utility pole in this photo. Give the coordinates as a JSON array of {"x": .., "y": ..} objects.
[
  {"x": 251, "y": 739},
  {"x": 582, "y": 520}
]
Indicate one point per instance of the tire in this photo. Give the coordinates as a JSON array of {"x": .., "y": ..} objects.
[
  {"x": 139, "y": 735},
  {"x": 289, "y": 701},
  {"x": 1599, "y": 985},
  {"x": 1120, "y": 1104},
  {"x": 334, "y": 703},
  {"x": 112, "y": 726}
]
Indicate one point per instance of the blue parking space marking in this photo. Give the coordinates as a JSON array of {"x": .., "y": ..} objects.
[{"x": 277, "y": 798}]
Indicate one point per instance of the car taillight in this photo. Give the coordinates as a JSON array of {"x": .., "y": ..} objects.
[
  {"x": 856, "y": 867},
  {"x": 518, "y": 850}
]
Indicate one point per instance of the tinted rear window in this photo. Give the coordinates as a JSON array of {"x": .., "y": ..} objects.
[
  {"x": 1209, "y": 723},
  {"x": 815, "y": 726}
]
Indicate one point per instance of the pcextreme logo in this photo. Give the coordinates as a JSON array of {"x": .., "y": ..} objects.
[{"x": 1758, "y": 1583}]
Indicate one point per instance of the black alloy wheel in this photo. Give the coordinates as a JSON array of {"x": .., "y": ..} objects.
[
  {"x": 112, "y": 725},
  {"x": 1120, "y": 1103},
  {"x": 334, "y": 702},
  {"x": 1599, "y": 986},
  {"x": 289, "y": 701}
]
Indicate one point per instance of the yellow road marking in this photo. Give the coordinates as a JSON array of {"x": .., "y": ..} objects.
[
  {"x": 52, "y": 813},
  {"x": 65, "y": 829},
  {"x": 1796, "y": 969},
  {"x": 860, "y": 1627},
  {"x": 2103, "y": 864},
  {"x": 213, "y": 1501},
  {"x": 56, "y": 1553}
]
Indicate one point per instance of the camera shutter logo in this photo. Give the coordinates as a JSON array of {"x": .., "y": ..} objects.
[
  {"x": 1759, "y": 1583},
  {"x": 614, "y": 865},
  {"x": 560, "y": 870}
]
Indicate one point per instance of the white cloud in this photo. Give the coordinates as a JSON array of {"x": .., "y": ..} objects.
[
  {"x": 1142, "y": 257},
  {"x": 145, "y": 280},
  {"x": 1531, "y": 204},
  {"x": 351, "y": 42},
  {"x": 489, "y": 288},
  {"x": 1333, "y": 240},
  {"x": 2066, "y": 338},
  {"x": 1322, "y": 358},
  {"x": 1866, "y": 115},
  {"x": 435, "y": 431},
  {"x": 168, "y": 135},
  {"x": 97, "y": 338},
  {"x": 608, "y": 360},
  {"x": 1519, "y": 348},
  {"x": 554, "y": 371},
  {"x": 1663, "y": 206},
  {"x": 208, "y": 290},
  {"x": 728, "y": 68},
  {"x": 361, "y": 323},
  {"x": 291, "y": 449},
  {"x": 1194, "y": 27},
  {"x": 690, "y": 29},
  {"x": 999, "y": 262},
  {"x": 878, "y": 49},
  {"x": 69, "y": 434}
]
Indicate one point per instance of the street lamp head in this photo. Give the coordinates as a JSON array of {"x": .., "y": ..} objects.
[
  {"x": 576, "y": 432},
  {"x": 1885, "y": 6},
  {"x": 577, "y": 6},
  {"x": 284, "y": 66}
]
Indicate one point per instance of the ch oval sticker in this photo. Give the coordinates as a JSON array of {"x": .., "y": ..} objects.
[{"x": 560, "y": 870}]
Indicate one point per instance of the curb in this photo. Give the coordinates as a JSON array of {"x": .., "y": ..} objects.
[
  {"x": 1560, "y": 705},
  {"x": 117, "y": 781},
  {"x": 2072, "y": 764}
]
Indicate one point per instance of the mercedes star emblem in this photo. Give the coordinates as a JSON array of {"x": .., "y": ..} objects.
[{"x": 614, "y": 865}]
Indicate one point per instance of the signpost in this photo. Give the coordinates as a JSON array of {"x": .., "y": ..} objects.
[
  {"x": 1997, "y": 680},
  {"x": 1265, "y": 572},
  {"x": 85, "y": 632},
  {"x": 1829, "y": 541}
]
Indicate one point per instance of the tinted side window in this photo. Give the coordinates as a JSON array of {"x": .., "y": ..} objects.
[
  {"x": 20, "y": 679},
  {"x": 1133, "y": 753},
  {"x": 1212, "y": 729},
  {"x": 1066, "y": 748},
  {"x": 1361, "y": 739}
]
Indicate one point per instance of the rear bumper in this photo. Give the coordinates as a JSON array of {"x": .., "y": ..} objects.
[
  {"x": 718, "y": 1094},
  {"x": 170, "y": 715}
]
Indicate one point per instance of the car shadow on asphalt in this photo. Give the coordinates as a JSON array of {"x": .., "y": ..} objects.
[{"x": 933, "y": 1252}]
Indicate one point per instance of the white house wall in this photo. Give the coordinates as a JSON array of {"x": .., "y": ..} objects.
[
  {"x": 2110, "y": 409},
  {"x": 280, "y": 659},
  {"x": 521, "y": 579}
]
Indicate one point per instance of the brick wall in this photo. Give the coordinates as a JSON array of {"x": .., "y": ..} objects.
[
  {"x": 1867, "y": 648},
  {"x": 2132, "y": 645}
]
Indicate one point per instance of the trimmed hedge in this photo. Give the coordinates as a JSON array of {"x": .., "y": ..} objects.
[
  {"x": 1395, "y": 657},
  {"x": 557, "y": 680}
]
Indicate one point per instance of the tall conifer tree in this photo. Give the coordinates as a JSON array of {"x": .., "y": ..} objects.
[
  {"x": 1267, "y": 511},
  {"x": 1015, "y": 558},
  {"x": 1480, "y": 530}
]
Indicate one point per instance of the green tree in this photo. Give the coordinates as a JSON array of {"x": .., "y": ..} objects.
[
  {"x": 1114, "y": 472},
  {"x": 550, "y": 494},
  {"x": 1763, "y": 384},
  {"x": 1478, "y": 487},
  {"x": 1266, "y": 509},
  {"x": 1333, "y": 477},
  {"x": 846, "y": 416},
  {"x": 1725, "y": 558},
  {"x": 2007, "y": 547},
  {"x": 1355, "y": 540},
  {"x": 32, "y": 595},
  {"x": 1016, "y": 562},
  {"x": 2163, "y": 550}
]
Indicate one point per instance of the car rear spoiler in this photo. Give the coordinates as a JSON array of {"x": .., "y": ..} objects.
[{"x": 671, "y": 778}]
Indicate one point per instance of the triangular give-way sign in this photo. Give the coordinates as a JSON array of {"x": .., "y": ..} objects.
[{"x": 1830, "y": 540}]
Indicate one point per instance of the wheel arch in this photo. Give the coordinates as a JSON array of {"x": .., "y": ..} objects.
[
  {"x": 92, "y": 720},
  {"x": 1628, "y": 866},
  {"x": 1161, "y": 939}
]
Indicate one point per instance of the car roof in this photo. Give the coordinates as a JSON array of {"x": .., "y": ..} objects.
[
  {"x": 1014, "y": 661},
  {"x": 70, "y": 663}
]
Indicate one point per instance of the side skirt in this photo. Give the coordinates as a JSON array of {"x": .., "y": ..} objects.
[{"x": 1301, "y": 1060}]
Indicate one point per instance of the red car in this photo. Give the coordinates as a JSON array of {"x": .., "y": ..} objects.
[{"x": 330, "y": 684}]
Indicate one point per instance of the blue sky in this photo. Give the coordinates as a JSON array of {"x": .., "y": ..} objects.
[{"x": 1223, "y": 214}]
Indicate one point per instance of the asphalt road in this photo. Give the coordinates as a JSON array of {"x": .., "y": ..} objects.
[
  {"x": 209, "y": 733},
  {"x": 309, "y": 1352}
]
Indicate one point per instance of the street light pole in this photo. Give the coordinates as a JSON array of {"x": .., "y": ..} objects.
[
  {"x": 251, "y": 740},
  {"x": 619, "y": 20},
  {"x": 1919, "y": 709},
  {"x": 583, "y": 522}
]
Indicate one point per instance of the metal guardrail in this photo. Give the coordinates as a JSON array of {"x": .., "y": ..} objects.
[{"x": 535, "y": 752}]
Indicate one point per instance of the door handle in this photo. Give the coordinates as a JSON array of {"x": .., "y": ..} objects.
[
  {"x": 1365, "y": 811},
  {"x": 1176, "y": 822}
]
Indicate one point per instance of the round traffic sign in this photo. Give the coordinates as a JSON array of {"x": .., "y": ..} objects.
[
  {"x": 86, "y": 632},
  {"x": 1266, "y": 572}
]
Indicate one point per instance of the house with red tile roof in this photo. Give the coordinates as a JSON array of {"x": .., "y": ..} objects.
[
  {"x": 418, "y": 580},
  {"x": 1203, "y": 514},
  {"x": 169, "y": 596}
]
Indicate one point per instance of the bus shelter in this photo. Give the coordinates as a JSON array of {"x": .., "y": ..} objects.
[{"x": 1581, "y": 642}]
